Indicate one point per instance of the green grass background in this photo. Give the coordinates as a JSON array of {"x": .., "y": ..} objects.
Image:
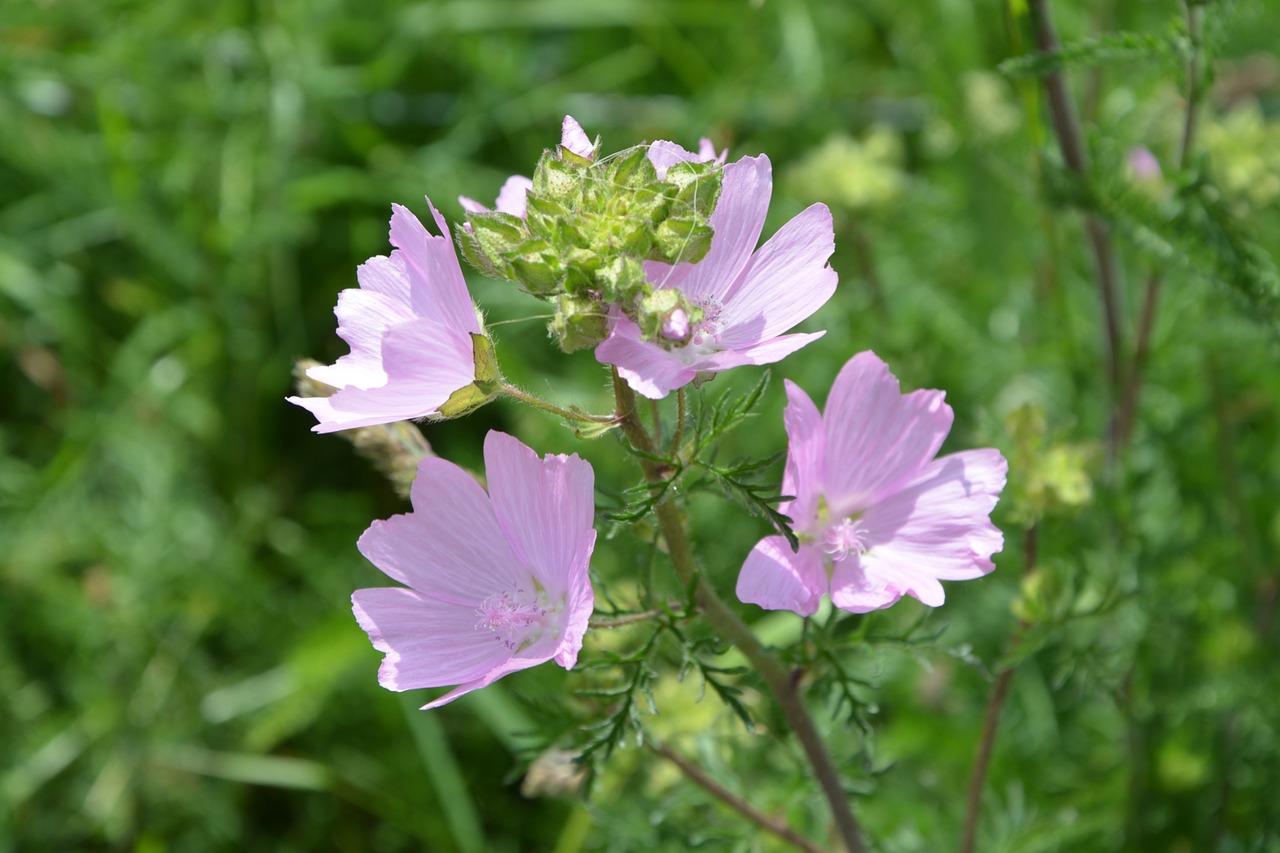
[{"x": 185, "y": 187}]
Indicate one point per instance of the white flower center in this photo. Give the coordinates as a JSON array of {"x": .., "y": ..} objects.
[
  {"x": 702, "y": 338},
  {"x": 517, "y": 617},
  {"x": 844, "y": 537}
]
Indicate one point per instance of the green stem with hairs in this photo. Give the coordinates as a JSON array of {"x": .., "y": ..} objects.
[
  {"x": 776, "y": 676},
  {"x": 515, "y": 393}
]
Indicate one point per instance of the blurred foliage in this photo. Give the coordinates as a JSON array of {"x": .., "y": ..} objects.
[{"x": 185, "y": 187}]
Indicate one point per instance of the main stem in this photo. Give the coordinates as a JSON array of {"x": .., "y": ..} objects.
[
  {"x": 1066, "y": 127},
  {"x": 1128, "y": 408},
  {"x": 730, "y": 627}
]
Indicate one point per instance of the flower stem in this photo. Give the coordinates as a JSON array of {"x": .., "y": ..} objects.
[
  {"x": 733, "y": 801},
  {"x": 730, "y": 627},
  {"x": 1066, "y": 126},
  {"x": 1128, "y": 407},
  {"x": 991, "y": 719},
  {"x": 568, "y": 414}
]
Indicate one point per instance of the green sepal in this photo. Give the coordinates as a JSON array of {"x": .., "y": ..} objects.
[
  {"x": 486, "y": 386},
  {"x": 579, "y": 323}
]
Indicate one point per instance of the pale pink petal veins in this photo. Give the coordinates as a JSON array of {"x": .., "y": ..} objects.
[
  {"x": 363, "y": 318},
  {"x": 425, "y": 363},
  {"x": 766, "y": 352},
  {"x": 545, "y": 507},
  {"x": 858, "y": 591},
  {"x": 877, "y": 438},
  {"x": 574, "y": 138},
  {"x": 776, "y": 578},
  {"x": 579, "y": 604},
  {"x": 427, "y": 643},
  {"x": 802, "y": 476},
  {"x": 438, "y": 290},
  {"x": 648, "y": 368},
  {"x": 786, "y": 281},
  {"x": 450, "y": 548},
  {"x": 736, "y": 223},
  {"x": 939, "y": 524}
]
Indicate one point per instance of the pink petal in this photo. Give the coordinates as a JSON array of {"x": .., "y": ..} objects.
[
  {"x": 470, "y": 205},
  {"x": 573, "y": 137},
  {"x": 776, "y": 578},
  {"x": 663, "y": 155},
  {"x": 939, "y": 524},
  {"x": 363, "y": 318},
  {"x": 424, "y": 362},
  {"x": 858, "y": 591},
  {"x": 427, "y": 643},
  {"x": 648, "y": 368},
  {"x": 579, "y": 605},
  {"x": 511, "y": 198},
  {"x": 451, "y": 548},
  {"x": 766, "y": 352},
  {"x": 536, "y": 654},
  {"x": 802, "y": 476},
  {"x": 546, "y": 508},
  {"x": 786, "y": 281},
  {"x": 439, "y": 291},
  {"x": 877, "y": 438},
  {"x": 736, "y": 223}
]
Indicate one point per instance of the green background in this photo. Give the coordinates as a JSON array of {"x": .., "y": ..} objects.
[{"x": 184, "y": 189}]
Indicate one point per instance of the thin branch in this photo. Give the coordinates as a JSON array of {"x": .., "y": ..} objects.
[
  {"x": 991, "y": 719},
  {"x": 628, "y": 619},
  {"x": 1071, "y": 142},
  {"x": 733, "y": 801},
  {"x": 568, "y": 414},
  {"x": 1128, "y": 409},
  {"x": 730, "y": 627}
]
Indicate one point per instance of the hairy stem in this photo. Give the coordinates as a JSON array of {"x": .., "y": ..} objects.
[
  {"x": 1066, "y": 127},
  {"x": 568, "y": 414},
  {"x": 696, "y": 775},
  {"x": 1128, "y": 408},
  {"x": 991, "y": 719},
  {"x": 730, "y": 627}
]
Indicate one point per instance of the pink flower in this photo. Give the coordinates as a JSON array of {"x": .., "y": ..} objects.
[
  {"x": 748, "y": 298},
  {"x": 496, "y": 582},
  {"x": 877, "y": 515},
  {"x": 412, "y": 329}
]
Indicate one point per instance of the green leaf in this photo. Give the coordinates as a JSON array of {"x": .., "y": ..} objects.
[{"x": 1109, "y": 49}]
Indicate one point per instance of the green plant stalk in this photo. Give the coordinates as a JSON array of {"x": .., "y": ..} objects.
[
  {"x": 1066, "y": 127},
  {"x": 730, "y": 627},
  {"x": 696, "y": 775},
  {"x": 515, "y": 393},
  {"x": 1128, "y": 406}
]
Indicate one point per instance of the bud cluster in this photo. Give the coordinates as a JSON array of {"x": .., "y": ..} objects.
[{"x": 588, "y": 227}]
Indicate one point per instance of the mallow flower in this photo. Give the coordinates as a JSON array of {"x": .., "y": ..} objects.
[
  {"x": 417, "y": 346},
  {"x": 878, "y": 517},
  {"x": 743, "y": 299},
  {"x": 493, "y": 583}
]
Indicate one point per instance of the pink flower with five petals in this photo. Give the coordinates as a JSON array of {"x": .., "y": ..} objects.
[
  {"x": 412, "y": 329},
  {"x": 877, "y": 515},
  {"x": 494, "y": 583},
  {"x": 748, "y": 298}
]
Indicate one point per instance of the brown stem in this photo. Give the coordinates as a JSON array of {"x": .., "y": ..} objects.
[
  {"x": 730, "y": 627},
  {"x": 1128, "y": 409},
  {"x": 991, "y": 719},
  {"x": 733, "y": 801},
  {"x": 1066, "y": 127}
]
